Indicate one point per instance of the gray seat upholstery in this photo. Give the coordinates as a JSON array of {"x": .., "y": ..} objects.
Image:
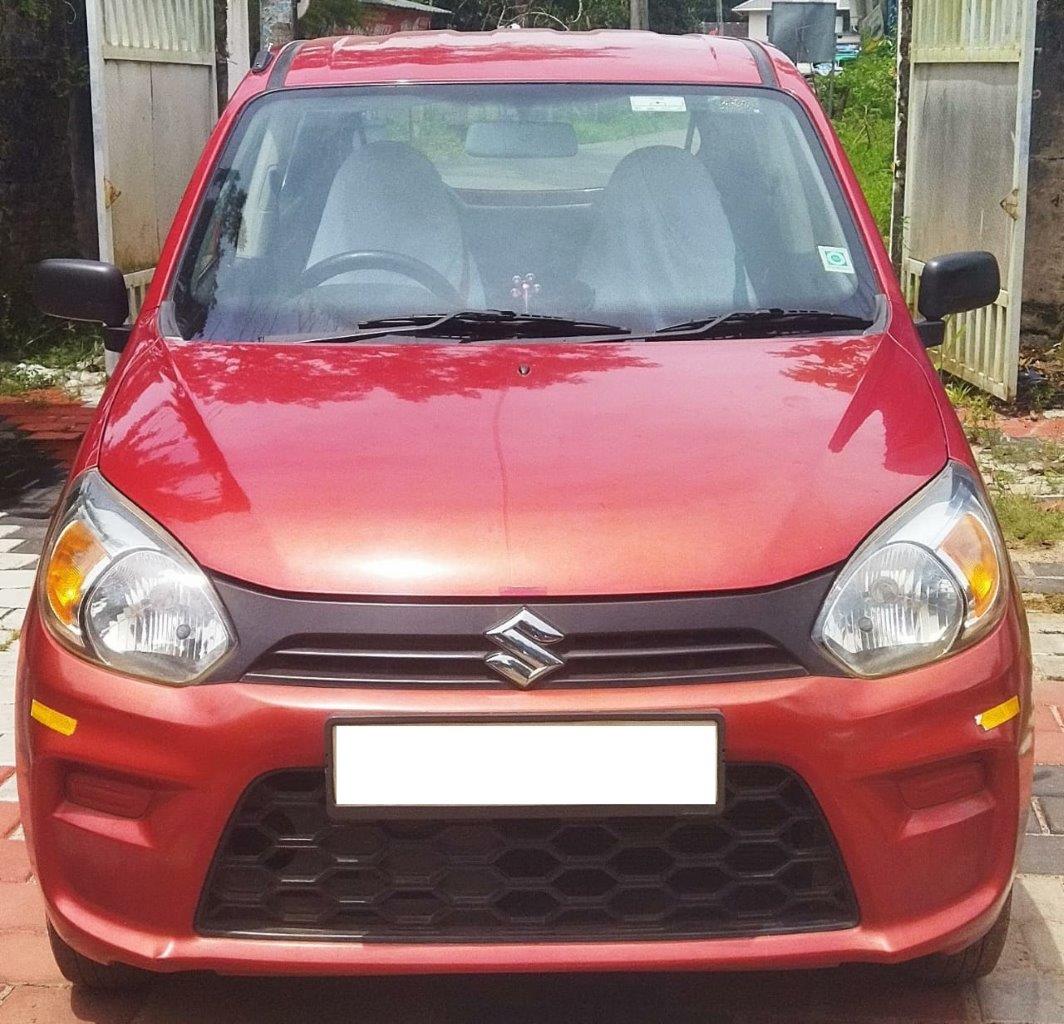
[
  {"x": 660, "y": 248},
  {"x": 388, "y": 196}
]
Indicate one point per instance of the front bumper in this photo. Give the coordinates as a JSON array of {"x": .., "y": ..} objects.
[{"x": 930, "y": 868}]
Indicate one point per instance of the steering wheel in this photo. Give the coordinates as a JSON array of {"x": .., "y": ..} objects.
[{"x": 377, "y": 259}]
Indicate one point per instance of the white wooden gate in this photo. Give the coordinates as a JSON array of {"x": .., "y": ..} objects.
[
  {"x": 972, "y": 66},
  {"x": 154, "y": 101}
]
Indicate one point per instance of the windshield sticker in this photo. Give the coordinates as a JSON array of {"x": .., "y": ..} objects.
[
  {"x": 836, "y": 260},
  {"x": 670, "y": 104}
]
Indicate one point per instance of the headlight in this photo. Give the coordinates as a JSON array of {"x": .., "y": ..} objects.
[
  {"x": 119, "y": 591},
  {"x": 928, "y": 582}
]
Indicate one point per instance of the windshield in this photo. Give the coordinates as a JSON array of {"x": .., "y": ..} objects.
[{"x": 632, "y": 208}]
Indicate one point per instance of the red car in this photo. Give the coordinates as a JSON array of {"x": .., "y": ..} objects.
[{"x": 524, "y": 532}]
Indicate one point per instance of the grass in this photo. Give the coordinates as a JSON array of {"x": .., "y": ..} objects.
[
  {"x": 1051, "y": 603},
  {"x": 864, "y": 120},
  {"x": 43, "y": 342},
  {"x": 975, "y": 409},
  {"x": 1026, "y": 522}
]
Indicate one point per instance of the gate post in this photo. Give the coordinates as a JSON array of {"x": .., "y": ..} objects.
[{"x": 901, "y": 134}]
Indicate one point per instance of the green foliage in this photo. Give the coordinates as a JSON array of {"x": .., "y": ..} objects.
[
  {"x": 31, "y": 338},
  {"x": 330, "y": 18},
  {"x": 864, "y": 120},
  {"x": 35, "y": 10},
  {"x": 1026, "y": 521},
  {"x": 672, "y": 16}
]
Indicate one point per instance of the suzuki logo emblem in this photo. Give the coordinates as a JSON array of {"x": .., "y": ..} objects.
[{"x": 524, "y": 658}]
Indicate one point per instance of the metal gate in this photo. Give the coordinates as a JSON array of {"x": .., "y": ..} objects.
[
  {"x": 154, "y": 101},
  {"x": 971, "y": 78}
]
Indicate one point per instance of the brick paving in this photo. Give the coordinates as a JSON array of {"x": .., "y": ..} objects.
[{"x": 38, "y": 439}]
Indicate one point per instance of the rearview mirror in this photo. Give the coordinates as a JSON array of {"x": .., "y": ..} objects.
[
  {"x": 81, "y": 290},
  {"x": 521, "y": 139},
  {"x": 957, "y": 283}
]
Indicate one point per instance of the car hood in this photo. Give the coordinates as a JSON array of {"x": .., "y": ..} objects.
[{"x": 499, "y": 470}]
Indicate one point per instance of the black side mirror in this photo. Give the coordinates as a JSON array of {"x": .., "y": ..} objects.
[
  {"x": 81, "y": 290},
  {"x": 957, "y": 283}
]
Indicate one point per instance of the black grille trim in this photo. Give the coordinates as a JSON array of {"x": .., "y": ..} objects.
[
  {"x": 767, "y": 865},
  {"x": 700, "y": 656},
  {"x": 764, "y": 634}
]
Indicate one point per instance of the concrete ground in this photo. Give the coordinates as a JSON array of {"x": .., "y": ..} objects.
[{"x": 1027, "y": 987}]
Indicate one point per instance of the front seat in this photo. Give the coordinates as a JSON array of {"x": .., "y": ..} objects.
[
  {"x": 388, "y": 196},
  {"x": 660, "y": 248}
]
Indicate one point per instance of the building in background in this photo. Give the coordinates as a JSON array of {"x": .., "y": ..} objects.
[
  {"x": 383, "y": 17},
  {"x": 759, "y": 16}
]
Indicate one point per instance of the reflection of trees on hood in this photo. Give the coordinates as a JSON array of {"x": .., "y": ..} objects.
[
  {"x": 865, "y": 369},
  {"x": 310, "y": 374}
]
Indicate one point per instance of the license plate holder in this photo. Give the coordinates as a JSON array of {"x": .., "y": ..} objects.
[{"x": 461, "y": 766}]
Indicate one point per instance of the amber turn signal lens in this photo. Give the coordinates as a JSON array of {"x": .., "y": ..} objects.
[
  {"x": 75, "y": 555},
  {"x": 971, "y": 549}
]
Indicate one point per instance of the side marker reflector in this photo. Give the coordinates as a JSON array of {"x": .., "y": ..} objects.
[
  {"x": 52, "y": 719},
  {"x": 998, "y": 715}
]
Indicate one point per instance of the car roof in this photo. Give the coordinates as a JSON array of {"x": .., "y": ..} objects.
[{"x": 526, "y": 55}]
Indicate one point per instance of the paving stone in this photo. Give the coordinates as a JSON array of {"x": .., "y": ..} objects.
[
  {"x": 1042, "y": 855},
  {"x": 1045, "y": 623},
  {"x": 8, "y": 819},
  {"x": 1046, "y": 569},
  {"x": 9, "y": 789},
  {"x": 31, "y": 541},
  {"x": 21, "y": 903},
  {"x": 27, "y": 960},
  {"x": 12, "y": 618},
  {"x": 1022, "y": 997},
  {"x": 9, "y": 562},
  {"x": 7, "y": 748},
  {"x": 1053, "y": 806},
  {"x": 14, "y": 865},
  {"x": 1033, "y": 826},
  {"x": 16, "y": 579},
  {"x": 1047, "y": 643},
  {"x": 1048, "y": 780},
  {"x": 55, "y": 1004},
  {"x": 1040, "y": 584},
  {"x": 1050, "y": 665},
  {"x": 14, "y": 598}
]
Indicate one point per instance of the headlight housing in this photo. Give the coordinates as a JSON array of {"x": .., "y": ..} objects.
[
  {"x": 929, "y": 581},
  {"x": 118, "y": 590}
]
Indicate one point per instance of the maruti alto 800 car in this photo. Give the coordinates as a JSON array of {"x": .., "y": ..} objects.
[{"x": 523, "y": 532}]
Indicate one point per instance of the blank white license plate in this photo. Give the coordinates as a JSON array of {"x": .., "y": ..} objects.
[{"x": 621, "y": 766}]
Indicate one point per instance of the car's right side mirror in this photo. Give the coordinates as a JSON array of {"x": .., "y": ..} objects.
[
  {"x": 86, "y": 290},
  {"x": 957, "y": 283}
]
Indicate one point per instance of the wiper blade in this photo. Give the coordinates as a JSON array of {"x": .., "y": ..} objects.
[
  {"x": 477, "y": 325},
  {"x": 764, "y": 323}
]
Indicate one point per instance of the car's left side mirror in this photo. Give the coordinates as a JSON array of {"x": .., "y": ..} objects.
[{"x": 957, "y": 283}]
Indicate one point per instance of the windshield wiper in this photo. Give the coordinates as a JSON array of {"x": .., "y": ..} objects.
[
  {"x": 477, "y": 325},
  {"x": 763, "y": 323}
]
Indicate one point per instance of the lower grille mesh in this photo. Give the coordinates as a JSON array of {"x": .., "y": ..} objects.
[{"x": 768, "y": 864}]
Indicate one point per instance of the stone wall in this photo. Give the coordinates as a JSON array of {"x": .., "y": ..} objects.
[{"x": 47, "y": 201}]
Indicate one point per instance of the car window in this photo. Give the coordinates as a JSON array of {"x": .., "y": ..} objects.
[{"x": 635, "y": 206}]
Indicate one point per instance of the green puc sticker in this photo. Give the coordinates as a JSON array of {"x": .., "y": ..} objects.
[{"x": 836, "y": 260}]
